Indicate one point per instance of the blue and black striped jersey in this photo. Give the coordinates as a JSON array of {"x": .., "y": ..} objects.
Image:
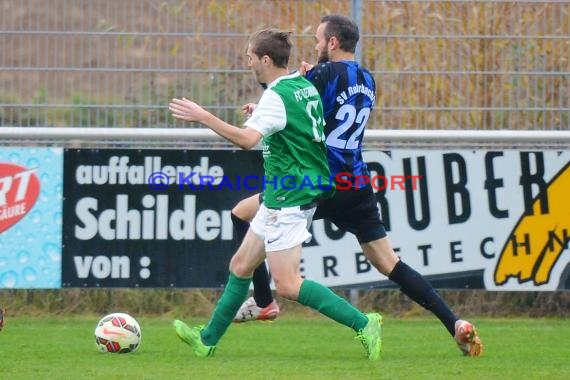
[{"x": 348, "y": 95}]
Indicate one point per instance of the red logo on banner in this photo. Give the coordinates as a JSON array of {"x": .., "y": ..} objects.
[{"x": 19, "y": 190}]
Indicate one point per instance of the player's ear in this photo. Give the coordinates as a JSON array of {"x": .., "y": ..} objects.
[{"x": 333, "y": 43}]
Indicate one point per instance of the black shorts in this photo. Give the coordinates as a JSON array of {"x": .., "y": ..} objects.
[{"x": 354, "y": 211}]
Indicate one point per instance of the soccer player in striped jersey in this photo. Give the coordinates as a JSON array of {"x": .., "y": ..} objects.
[{"x": 348, "y": 94}]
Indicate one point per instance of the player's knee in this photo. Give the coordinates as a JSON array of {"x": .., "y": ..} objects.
[
  {"x": 239, "y": 267},
  {"x": 242, "y": 211},
  {"x": 286, "y": 289},
  {"x": 238, "y": 211},
  {"x": 246, "y": 208},
  {"x": 381, "y": 254}
]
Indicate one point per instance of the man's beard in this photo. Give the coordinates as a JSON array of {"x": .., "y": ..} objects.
[{"x": 323, "y": 57}]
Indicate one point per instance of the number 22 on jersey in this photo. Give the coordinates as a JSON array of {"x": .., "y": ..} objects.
[{"x": 349, "y": 117}]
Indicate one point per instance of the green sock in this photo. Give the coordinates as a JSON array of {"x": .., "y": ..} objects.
[
  {"x": 325, "y": 301},
  {"x": 233, "y": 296}
]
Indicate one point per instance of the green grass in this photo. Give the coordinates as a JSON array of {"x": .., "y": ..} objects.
[{"x": 294, "y": 347}]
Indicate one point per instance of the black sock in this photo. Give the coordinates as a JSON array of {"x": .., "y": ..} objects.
[
  {"x": 261, "y": 289},
  {"x": 420, "y": 291},
  {"x": 240, "y": 229}
]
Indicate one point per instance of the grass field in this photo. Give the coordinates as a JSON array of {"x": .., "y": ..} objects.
[{"x": 293, "y": 347}]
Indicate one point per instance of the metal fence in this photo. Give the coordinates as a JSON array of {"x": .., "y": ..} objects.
[{"x": 438, "y": 64}]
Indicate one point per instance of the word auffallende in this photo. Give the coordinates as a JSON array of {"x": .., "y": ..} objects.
[{"x": 342, "y": 181}]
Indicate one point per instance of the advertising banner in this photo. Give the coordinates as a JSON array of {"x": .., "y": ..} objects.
[
  {"x": 151, "y": 218},
  {"x": 498, "y": 220},
  {"x": 31, "y": 183}
]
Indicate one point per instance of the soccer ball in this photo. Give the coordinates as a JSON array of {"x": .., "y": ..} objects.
[{"x": 117, "y": 332}]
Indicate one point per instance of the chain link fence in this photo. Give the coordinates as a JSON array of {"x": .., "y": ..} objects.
[{"x": 438, "y": 64}]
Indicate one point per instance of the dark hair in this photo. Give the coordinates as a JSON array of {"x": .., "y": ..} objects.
[
  {"x": 276, "y": 44},
  {"x": 344, "y": 29}
]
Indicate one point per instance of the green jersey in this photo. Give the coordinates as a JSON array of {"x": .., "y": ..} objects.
[{"x": 289, "y": 115}]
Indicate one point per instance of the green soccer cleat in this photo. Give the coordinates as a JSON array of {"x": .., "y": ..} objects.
[
  {"x": 191, "y": 336},
  {"x": 371, "y": 336}
]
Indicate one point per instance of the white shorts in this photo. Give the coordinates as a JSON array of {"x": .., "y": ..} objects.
[{"x": 284, "y": 228}]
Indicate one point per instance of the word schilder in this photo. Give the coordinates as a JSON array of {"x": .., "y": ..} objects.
[{"x": 342, "y": 181}]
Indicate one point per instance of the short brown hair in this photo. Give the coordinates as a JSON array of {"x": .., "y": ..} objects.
[
  {"x": 344, "y": 29},
  {"x": 274, "y": 43}
]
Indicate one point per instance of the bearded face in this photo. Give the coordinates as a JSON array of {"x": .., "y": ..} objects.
[{"x": 323, "y": 56}]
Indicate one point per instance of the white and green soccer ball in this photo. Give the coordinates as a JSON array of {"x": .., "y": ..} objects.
[{"x": 118, "y": 333}]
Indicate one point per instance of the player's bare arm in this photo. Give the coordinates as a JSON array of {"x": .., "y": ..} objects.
[{"x": 184, "y": 109}]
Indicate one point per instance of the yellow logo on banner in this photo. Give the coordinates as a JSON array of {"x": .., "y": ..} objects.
[{"x": 538, "y": 240}]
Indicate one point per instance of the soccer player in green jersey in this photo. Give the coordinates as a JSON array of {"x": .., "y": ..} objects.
[{"x": 289, "y": 122}]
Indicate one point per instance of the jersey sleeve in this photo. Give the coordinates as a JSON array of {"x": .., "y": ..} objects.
[{"x": 269, "y": 116}]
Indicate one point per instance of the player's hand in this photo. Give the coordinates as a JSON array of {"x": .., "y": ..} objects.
[
  {"x": 305, "y": 66},
  {"x": 248, "y": 109},
  {"x": 185, "y": 109}
]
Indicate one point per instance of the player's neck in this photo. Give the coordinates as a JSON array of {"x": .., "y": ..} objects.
[
  {"x": 342, "y": 56},
  {"x": 275, "y": 73}
]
